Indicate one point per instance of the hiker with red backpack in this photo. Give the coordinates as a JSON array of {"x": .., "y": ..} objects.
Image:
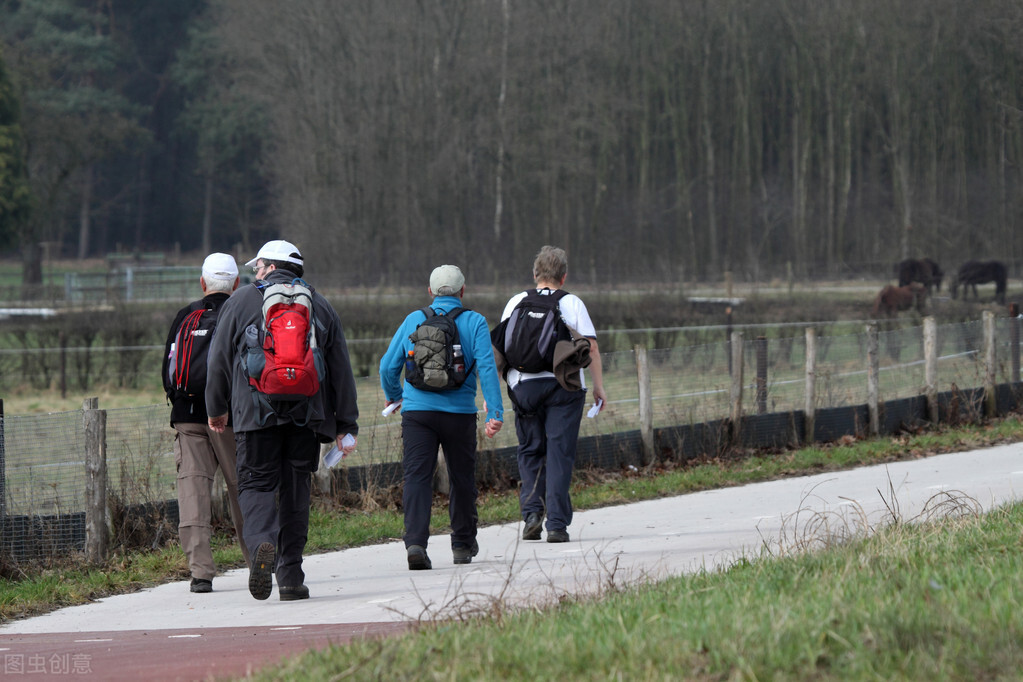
[
  {"x": 279, "y": 361},
  {"x": 199, "y": 450},
  {"x": 442, "y": 349}
]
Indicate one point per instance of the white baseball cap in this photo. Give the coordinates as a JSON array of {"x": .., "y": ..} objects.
[
  {"x": 446, "y": 280},
  {"x": 278, "y": 250},
  {"x": 219, "y": 266}
]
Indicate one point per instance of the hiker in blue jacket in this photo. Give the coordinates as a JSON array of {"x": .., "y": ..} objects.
[{"x": 442, "y": 418}]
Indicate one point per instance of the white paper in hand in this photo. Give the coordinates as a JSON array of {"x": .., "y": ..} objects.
[
  {"x": 334, "y": 455},
  {"x": 595, "y": 410},
  {"x": 391, "y": 408}
]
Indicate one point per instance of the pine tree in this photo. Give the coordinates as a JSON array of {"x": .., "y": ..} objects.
[{"x": 14, "y": 192}]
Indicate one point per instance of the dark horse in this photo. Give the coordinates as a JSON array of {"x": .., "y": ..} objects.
[
  {"x": 922, "y": 270},
  {"x": 973, "y": 272},
  {"x": 893, "y": 299}
]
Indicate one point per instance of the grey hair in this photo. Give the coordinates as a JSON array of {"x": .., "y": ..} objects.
[
  {"x": 215, "y": 286},
  {"x": 551, "y": 265}
]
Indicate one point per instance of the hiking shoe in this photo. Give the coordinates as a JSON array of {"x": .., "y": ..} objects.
[
  {"x": 464, "y": 553},
  {"x": 261, "y": 574},
  {"x": 201, "y": 585},
  {"x": 557, "y": 536},
  {"x": 293, "y": 593},
  {"x": 532, "y": 527},
  {"x": 417, "y": 559}
]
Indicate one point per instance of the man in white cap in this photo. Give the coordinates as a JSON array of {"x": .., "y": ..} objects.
[
  {"x": 198, "y": 450},
  {"x": 278, "y": 445},
  {"x": 442, "y": 417}
]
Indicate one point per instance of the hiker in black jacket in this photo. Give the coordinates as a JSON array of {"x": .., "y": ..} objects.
[
  {"x": 198, "y": 450},
  {"x": 279, "y": 441}
]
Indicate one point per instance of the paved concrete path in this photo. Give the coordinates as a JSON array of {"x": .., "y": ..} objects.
[{"x": 370, "y": 591}]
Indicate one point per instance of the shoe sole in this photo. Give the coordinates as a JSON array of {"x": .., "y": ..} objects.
[
  {"x": 532, "y": 530},
  {"x": 294, "y": 597},
  {"x": 556, "y": 538},
  {"x": 261, "y": 576}
]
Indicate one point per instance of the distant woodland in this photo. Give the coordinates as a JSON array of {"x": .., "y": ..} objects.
[{"x": 656, "y": 140}]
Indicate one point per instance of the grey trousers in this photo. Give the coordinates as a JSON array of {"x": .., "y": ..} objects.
[{"x": 198, "y": 453}]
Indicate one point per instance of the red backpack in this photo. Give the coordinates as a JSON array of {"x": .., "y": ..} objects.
[
  {"x": 284, "y": 362},
  {"x": 187, "y": 366}
]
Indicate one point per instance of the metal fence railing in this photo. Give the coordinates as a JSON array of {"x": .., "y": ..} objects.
[{"x": 42, "y": 461}]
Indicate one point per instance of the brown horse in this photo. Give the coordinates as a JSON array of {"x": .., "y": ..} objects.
[{"x": 891, "y": 299}]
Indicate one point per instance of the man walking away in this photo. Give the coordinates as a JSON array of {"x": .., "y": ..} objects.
[
  {"x": 547, "y": 414},
  {"x": 198, "y": 450},
  {"x": 285, "y": 375},
  {"x": 438, "y": 400}
]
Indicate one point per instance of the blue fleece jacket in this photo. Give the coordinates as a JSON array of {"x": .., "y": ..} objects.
[{"x": 475, "y": 337}]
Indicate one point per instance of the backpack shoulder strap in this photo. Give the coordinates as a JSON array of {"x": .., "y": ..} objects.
[
  {"x": 428, "y": 311},
  {"x": 455, "y": 312}
]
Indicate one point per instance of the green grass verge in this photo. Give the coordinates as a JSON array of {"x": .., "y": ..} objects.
[
  {"x": 30, "y": 590},
  {"x": 941, "y": 600}
]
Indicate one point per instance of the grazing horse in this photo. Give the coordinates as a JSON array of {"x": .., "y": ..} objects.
[
  {"x": 923, "y": 270},
  {"x": 892, "y": 299},
  {"x": 973, "y": 272}
]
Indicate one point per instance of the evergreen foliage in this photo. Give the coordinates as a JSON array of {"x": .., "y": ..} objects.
[{"x": 15, "y": 200}]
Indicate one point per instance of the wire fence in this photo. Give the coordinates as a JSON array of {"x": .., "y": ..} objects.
[{"x": 42, "y": 460}]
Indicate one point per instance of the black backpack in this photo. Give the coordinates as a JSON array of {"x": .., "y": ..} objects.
[
  {"x": 435, "y": 364},
  {"x": 187, "y": 366},
  {"x": 528, "y": 336}
]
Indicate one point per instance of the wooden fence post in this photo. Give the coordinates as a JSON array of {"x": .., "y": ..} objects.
[
  {"x": 96, "y": 532},
  {"x": 990, "y": 400},
  {"x": 736, "y": 392},
  {"x": 646, "y": 406},
  {"x": 728, "y": 337},
  {"x": 441, "y": 482},
  {"x": 761, "y": 345},
  {"x": 810, "y": 399},
  {"x": 63, "y": 364},
  {"x": 931, "y": 368},
  {"x": 1014, "y": 341},
  {"x": 873, "y": 376},
  {"x": 3, "y": 471}
]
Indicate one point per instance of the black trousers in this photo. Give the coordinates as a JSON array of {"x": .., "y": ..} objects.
[
  {"x": 275, "y": 467},
  {"x": 422, "y": 433}
]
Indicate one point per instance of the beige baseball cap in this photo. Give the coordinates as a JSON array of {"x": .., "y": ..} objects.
[{"x": 446, "y": 280}]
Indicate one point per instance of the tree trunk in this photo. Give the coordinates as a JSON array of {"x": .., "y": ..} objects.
[
  {"x": 207, "y": 215},
  {"x": 85, "y": 212}
]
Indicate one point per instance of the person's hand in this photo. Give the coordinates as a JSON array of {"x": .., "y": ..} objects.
[
  {"x": 601, "y": 397},
  {"x": 218, "y": 424},
  {"x": 492, "y": 427},
  {"x": 350, "y": 447}
]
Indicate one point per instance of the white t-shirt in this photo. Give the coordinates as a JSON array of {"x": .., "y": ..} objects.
[{"x": 573, "y": 310}]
